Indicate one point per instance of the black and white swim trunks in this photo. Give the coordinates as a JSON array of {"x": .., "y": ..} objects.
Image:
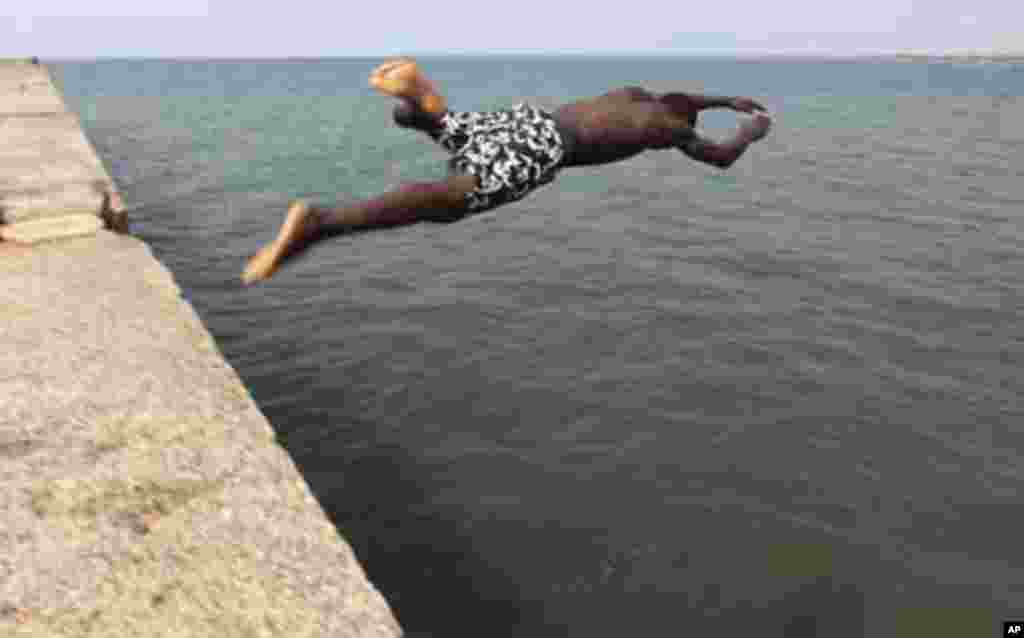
[{"x": 512, "y": 151}]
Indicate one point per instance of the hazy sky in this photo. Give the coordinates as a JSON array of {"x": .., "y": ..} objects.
[{"x": 59, "y": 28}]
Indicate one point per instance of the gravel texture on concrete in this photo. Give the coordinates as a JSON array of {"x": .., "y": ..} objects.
[
  {"x": 48, "y": 168},
  {"x": 142, "y": 492},
  {"x": 141, "y": 489}
]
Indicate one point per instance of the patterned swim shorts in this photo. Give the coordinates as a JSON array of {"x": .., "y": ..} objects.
[{"x": 512, "y": 151}]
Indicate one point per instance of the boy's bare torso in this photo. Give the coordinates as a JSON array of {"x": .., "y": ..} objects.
[{"x": 621, "y": 124}]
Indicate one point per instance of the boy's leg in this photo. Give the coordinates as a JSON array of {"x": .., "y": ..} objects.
[{"x": 304, "y": 224}]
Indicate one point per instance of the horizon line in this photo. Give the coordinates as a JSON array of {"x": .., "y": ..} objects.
[{"x": 817, "y": 55}]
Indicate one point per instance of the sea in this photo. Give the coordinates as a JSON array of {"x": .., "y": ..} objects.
[{"x": 654, "y": 398}]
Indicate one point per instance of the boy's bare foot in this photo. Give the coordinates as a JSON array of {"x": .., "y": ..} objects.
[
  {"x": 300, "y": 224},
  {"x": 402, "y": 78}
]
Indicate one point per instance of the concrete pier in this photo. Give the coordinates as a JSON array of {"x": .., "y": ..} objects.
[
  {"x": 49, "y": 172},
  {"x": 142, "y": 492}
]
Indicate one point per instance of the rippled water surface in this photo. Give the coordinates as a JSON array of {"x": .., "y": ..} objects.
[{"x": 653, "y": 398}]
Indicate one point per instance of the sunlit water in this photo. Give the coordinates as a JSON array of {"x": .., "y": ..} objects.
[{"x": 653, "y": 398}]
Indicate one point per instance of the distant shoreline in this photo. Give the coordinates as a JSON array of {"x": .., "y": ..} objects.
[
  {"x": 970, "y": 58},
  {"x": 794, "y": 57}
]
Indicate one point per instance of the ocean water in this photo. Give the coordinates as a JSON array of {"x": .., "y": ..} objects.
[{"x": 652, "y": 398}]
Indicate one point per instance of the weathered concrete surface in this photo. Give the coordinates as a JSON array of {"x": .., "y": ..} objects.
[
  {"x": 142, "y": 492},
  {"x": 25, "y": 89},
  {"x": 50, "y": 228},
  {"x": 141, "y": 489},
  {"x": 47, "y": 166}
]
